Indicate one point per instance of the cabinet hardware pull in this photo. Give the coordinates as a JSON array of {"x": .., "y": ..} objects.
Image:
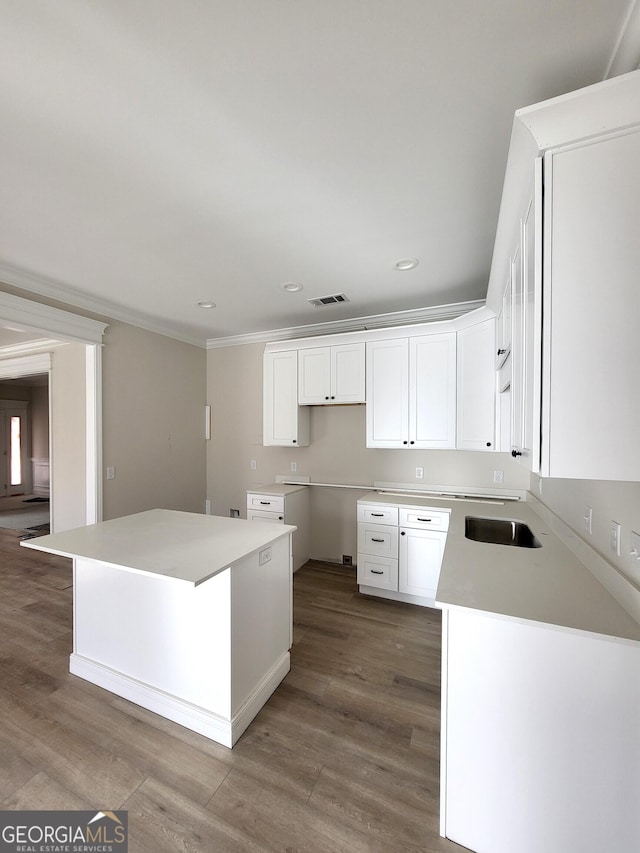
[
  {"x": 515, "y": 453},
  {"x": 376, "y": 572},
  {"x": 326, "y": 398},
  {"x": 333, "y": 398},
  {"x": 265, "y": 503},
  {"x": 281, "y": 518},
  {"x": 405, "y": 442},
  {"x": 412, "y": 442},
  {"x": 403, "y": 533},
  {"x": 377, "y": 515},
  {"x": 425, "y": 519},
  {"x": 501, "y": 351},
  {"x": 376, "y": 540},
  {"x": 488, "y": 444}
]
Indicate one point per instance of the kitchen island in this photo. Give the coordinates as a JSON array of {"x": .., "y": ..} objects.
[{"x": 187, "y": 615}]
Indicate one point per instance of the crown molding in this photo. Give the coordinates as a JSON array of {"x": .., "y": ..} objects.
[
  {"x": 43, "y": 318},
  {"x": 43, "y": 286},
  {"x": 433, "y": 314}
]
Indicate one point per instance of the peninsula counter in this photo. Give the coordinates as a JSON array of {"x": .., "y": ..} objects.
[{"x": 187, "y": 615}]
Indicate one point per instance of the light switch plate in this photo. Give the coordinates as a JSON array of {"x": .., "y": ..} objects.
[{"x": 614, "y": 538}]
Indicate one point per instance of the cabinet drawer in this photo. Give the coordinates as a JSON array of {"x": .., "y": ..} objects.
[
  {"x": 263, "y": 515},
  {"x": 273, "y": 503},
  {"x": 378, "y": 539},
  {"x": 378, "y": 514},
  {"x": 429, "y": 519},
  {"x": 377, "y": 571}
]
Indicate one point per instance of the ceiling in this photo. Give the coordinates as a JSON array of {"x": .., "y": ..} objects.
[{"x": 154, "y": 155}]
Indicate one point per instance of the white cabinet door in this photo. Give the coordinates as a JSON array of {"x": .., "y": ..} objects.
[
  {"x": 503, "y": 329},
  {"x": 284, "y": 422},
  {"x": 592, "y": 309},
  {"x": 348, "y": 373},
  {"x": 420, "y": 558},
  {"x": 332, "y": 374},
  {"x": 432, "y": 391},
  {"x": 314, "y": 376},
  {"x": 476, "y": 387},
  {"x": 388, "y": 393},
  {"x": 531, "y": 326}
]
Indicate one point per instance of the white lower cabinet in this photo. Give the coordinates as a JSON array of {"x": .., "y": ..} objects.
[
  {"x": 400, "y": 548},
  {"x": 419, "y": 561},
  {"x": 284, "y": 504}
]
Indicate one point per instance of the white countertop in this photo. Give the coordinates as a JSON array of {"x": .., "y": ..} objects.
[
  {"x": 181, "y": 546},
  {"x": 278, "y": 489},
  {"x": 547, "y": 584}
]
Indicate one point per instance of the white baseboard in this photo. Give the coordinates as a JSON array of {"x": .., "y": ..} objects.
[{"x": 213, "y": 726}]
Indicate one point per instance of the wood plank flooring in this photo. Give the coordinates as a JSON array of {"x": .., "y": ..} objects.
[{"x": 342, "y": 759}]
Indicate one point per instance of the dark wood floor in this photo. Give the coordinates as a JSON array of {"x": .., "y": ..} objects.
[{"x": 343, "y": 757}]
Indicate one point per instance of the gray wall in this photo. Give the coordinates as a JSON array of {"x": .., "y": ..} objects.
[
  {"x": 609, "y": 500},
  {"x": 153, "y": 422},
  {"x": 337, "y": 454}
]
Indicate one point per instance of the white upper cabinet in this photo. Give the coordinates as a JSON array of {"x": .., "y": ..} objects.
[
  {"x": 503, "y": 328},
  {"x": 285, "y": 423},
  {"x": 476, "y": 387},
  {"x": 411, "y": 392},
  {"x": 388, "y": 393},
  {"x": 432, "y": 391},
  {"x": 591, "y": 405},
  {"x": 331, "y": 374},
  {"x": 570, "y": 380},
  {"x": 518, "y": 383}
]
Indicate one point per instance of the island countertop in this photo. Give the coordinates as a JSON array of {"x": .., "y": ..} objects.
[{"x": 180, "y": 546}]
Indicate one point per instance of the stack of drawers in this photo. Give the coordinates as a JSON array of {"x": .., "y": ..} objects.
[{"x": 400, "y": 549}]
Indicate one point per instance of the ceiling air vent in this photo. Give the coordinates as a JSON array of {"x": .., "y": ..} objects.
[{"x": 319, "y": 301}]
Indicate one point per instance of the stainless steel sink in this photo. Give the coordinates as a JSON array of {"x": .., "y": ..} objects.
[{"x": 500, "y": 531}]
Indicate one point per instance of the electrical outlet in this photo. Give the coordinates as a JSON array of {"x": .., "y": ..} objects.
[
  {"x": 587, "y": 519},
  {"x": 419, "y": 473},
  {"x": 111, "y": 473},
  {"x": 294, "y": 466},
  {"x": 264, "y": 556},
  {"x": 253, "y": 464},
  {"x": 347, "y": 560},
  {"x": 614, "y": 538},
  {"x": 498, "y": 476}
]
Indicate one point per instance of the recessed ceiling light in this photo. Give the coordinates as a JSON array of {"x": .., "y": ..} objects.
[
  {"x": 205, "y": 303},
  {"x": 291, "y": 286},
  {"x": 405, "y": 264}
]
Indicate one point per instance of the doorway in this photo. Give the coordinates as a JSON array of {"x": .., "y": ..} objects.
[{"x": 24, "y": 455}]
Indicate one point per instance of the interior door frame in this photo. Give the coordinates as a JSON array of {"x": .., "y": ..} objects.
[{"x": 63, "y": 326}]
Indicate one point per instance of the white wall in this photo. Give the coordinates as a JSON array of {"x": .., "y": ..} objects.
[{"x": 337, "y": 453}]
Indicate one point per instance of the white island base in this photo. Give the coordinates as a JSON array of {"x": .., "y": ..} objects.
[{"x": 206, "y": 650}]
